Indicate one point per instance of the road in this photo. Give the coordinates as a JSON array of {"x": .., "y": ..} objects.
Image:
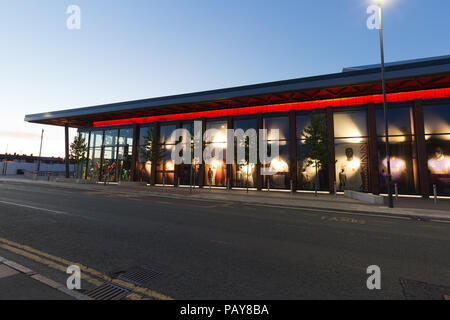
[{"x": 220, "y": 250}]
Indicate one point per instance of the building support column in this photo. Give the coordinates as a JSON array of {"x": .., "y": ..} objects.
[
  {"x": 259, "y": 177},
  {"x": 293, "y": 147},
  {"x": 201, "y": 166},
  {"x": 135, "y": 152},
  {"x": 422, "y": 166},
  {"x": 154, "y": 165},
  {"x": 67, "y": 160},
  {"x": 230, "y": 125},
  {"x": 87, "y": 157},
  {"x": 177, "y": 166},
  {"x": 332, "y": 165},
  {"x": 374, "y": 174}
]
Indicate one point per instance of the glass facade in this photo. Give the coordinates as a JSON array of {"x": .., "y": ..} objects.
[
  {"x": 144, "y": 164},
  {"x": 280, "y": 165},
  {"x": 351, "y": 150},
  {"x": 216, "y": 171},
  {"x": 307, "y": 175},
  {"x": 402, "y": 149},
  {"x": 244, "y": 174},
  {"x": 109, "y": 155},
  {"x": 110, "y": 152},
  {"x": 188, "y": 173},
  {"x": 437, "y": 136},
  {"x": 165, "y": 171}
]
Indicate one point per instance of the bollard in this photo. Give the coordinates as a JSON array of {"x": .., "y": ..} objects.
[
  {"x": 268, "y": 185},
  {"x": 435, "y": 193},
  {"x": 292, "y": 186},
  {"x": 179, "y": 181},
  {"x": 335, "y": 189},
  {"x": 396, "y": 191}
]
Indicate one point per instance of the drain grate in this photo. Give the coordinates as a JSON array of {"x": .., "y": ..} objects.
[
  {"x": 108, "y": 291},
  {"x": 140, "y": 276}
]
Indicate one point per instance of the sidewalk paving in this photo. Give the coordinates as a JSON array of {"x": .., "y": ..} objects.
[
  {"x": 20, "y": 283},
  {"x": 406, "y": 207}
]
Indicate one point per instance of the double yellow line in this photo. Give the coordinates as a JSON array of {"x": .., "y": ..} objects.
[{"x": 88, "y": 274}]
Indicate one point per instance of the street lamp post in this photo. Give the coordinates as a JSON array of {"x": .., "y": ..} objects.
[{"x": 386, "y": 114}]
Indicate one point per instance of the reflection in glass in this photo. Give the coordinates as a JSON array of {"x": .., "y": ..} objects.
[
  {"x": 216, "y": 171},
  {"x": 280, "y": 123},
  {"x": 438, "y": 150},
  {"x": 437, "y": 119},
  {"x": 403, "y": 165},
  {"x": 401, "y": 121},
  {"x": 350, "y": 124},
  {"x": 352, "y": 165}
]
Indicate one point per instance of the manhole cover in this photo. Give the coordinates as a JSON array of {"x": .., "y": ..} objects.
[
  {"x": 416, "y": 290},
  {"x": 108, "y": 291},
  {"x": 140, "y": 276}
]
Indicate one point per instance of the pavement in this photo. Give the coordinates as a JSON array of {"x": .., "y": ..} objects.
[
  {"x": 203, "y": 248},
  {"x": 18, "y": 282},
  {"x": 404, "y": 206}
]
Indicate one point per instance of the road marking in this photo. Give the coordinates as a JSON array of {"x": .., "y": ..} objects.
[
  {"x": 46, "y": 262},
  {"x": 37, "y": 256},
  {"x": 343, "y": 219},
  {"x": 32, "y": 207}
]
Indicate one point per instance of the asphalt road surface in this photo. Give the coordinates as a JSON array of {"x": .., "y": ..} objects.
[{"x": 220, "y": 250}]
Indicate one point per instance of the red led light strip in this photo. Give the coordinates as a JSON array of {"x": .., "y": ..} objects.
[{"x": 340, "y": 102}]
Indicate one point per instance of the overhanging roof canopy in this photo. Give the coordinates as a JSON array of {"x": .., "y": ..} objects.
[{"x": 358, "y": 81}]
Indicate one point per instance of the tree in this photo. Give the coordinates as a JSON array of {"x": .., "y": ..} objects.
[
  {"x": 315, "y": 150},
  {"x": 78, "y": 152},
  {"x": 153, "y": 149}
]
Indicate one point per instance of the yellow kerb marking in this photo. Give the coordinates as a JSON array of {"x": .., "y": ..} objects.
[{"x": 32, "y": 254}]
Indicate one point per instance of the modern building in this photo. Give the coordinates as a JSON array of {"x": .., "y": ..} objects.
[{"x": 418, "y": 94}]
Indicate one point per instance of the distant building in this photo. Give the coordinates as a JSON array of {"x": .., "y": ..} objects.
[{"x": 15, "y": 164}]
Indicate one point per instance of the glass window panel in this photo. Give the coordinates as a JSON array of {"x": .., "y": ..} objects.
[
  {"x": 437, "y": 119},
  {"x": 350, "y": 124},
  {"x": 109, "y": 163},
  {"x": 281, "y": 165},
  {"x": 302, "y": 123},
  {"x": 307, "y": 176},
  {"x": 111, "y": 137},
  {"x": 221, "y": 136},
  {"x": 165, "y": 134},
  {"x": 245, "y": 124},
  {"x": 189, "y": 126},
  {"x": 352, "y": 165},
  {"x": 216, "y": 173},
  {"x": 94, "y": 169},
  {"x": 96, "y": 139},
  {"x": 126, "y": 136},
  {"x": 401, "y": 122},
  {"x": 438, "y": 152},
  {"x": 144, "y": 134},
  {"x": 403, "y": 165},
  {"x": 280, "y": 123}
]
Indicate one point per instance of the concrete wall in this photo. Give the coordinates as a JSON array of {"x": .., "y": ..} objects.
[{"x": 12, "y": 167}]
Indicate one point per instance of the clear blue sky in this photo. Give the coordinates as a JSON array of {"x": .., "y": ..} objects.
[{"x": 143, "y": 48}]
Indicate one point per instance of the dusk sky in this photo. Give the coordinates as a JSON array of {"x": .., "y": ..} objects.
[{"x": 129, "y": 50}]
